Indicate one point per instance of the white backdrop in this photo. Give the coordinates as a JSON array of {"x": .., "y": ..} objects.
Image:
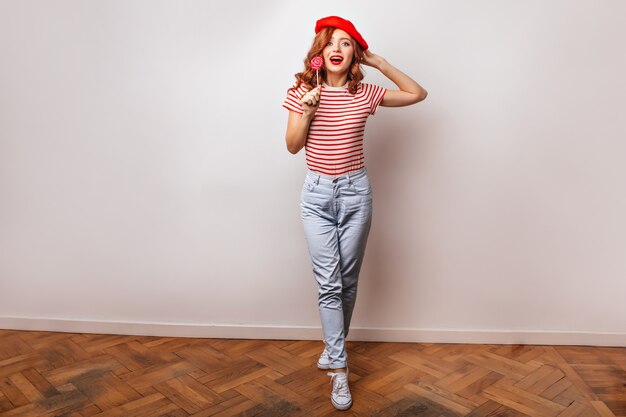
[{"x": 146, "y": 188}]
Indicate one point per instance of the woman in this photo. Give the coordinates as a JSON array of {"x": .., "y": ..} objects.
[{"x": 328, "y": 119}]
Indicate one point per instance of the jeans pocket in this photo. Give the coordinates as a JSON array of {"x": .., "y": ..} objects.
[
  {"x": 362, "y": 185},
  {"x": 309, "y": 185}
]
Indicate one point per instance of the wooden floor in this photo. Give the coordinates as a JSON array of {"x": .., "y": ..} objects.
[{"x": 48, "y": 374}]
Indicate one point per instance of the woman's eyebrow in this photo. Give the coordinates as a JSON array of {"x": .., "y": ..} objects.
[{"x": 348, "y": 39}]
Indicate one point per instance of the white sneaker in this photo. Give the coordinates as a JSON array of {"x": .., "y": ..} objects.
[
  {"x": 324, "y": 361},
  {"x": 340, "y": 396}
]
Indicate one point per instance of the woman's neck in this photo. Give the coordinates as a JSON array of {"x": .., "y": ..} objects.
[{"x": 334, "y": 80}]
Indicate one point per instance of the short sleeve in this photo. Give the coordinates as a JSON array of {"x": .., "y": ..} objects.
[
  {"x": 292, "y": 101},
  {"x": 378, "y": 93}
]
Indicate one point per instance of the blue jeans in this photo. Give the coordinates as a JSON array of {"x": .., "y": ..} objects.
[{"x": 336, "y": 214}]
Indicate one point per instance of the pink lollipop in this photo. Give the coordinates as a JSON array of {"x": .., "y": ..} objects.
[{"x": 317, "y": 63}]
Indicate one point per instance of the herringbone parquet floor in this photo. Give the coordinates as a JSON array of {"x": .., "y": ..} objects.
[{"x": 47, "y": 374}]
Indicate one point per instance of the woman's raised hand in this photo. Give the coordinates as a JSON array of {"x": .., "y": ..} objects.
[
  {"x": 371, "y": 59},
  {"x": 311, "y": 100}
]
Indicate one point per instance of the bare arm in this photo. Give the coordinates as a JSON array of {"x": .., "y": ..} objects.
[
  {"x": 410, "y": 92},
  {"x": 297, "y": 131},
  {"x": 298, "y": 125}
]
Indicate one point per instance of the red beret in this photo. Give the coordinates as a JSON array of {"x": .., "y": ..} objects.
[{"x": 343, "y": 24}]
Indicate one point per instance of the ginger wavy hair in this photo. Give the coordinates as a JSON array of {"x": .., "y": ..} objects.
[{"x": 307, "y": 77}]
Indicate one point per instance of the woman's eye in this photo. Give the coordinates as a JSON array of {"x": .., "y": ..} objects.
[
  {"x": 346, "y": 44},
  {"x": 329, "y": 43}
]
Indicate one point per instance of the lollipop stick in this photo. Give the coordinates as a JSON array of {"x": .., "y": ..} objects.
[{"x": 317, "y": 63}]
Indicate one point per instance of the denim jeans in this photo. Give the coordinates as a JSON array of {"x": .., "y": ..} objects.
[{"x": 336, "y": 214}]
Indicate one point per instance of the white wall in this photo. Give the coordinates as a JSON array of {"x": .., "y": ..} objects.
[{"x": 145, "y": 186}]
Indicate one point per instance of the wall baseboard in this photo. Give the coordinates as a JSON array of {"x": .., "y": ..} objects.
[{"x": 365, "y": 334}]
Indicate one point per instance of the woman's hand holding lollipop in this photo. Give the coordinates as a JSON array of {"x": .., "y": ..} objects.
[{"x": 311, "y": 100}]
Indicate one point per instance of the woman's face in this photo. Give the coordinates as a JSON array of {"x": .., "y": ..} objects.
[{"x": 341, "y": 49}]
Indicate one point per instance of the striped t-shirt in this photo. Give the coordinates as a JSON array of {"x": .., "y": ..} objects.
[{"x": 334, "y": 145}]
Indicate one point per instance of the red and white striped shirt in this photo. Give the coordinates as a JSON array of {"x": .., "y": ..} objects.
[{"x": 334, "y": 145}]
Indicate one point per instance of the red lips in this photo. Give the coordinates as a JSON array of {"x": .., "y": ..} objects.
[{"x": 336, "y": 59}]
